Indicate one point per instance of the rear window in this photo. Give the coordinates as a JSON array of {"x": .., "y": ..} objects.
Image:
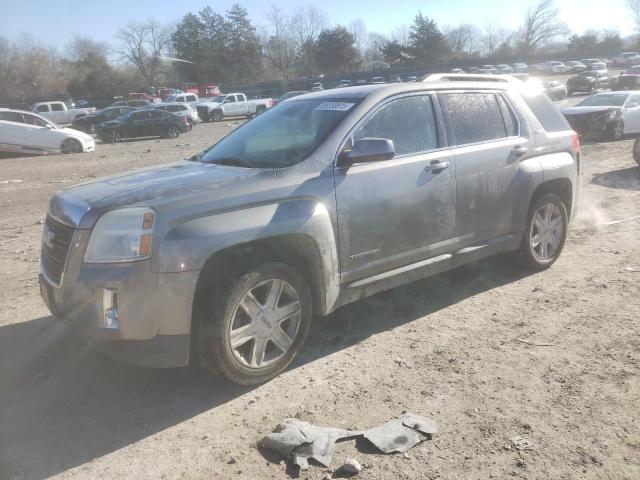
[
  {"x": 475, "y": 117},
  {"x": 546, "y": 113}
]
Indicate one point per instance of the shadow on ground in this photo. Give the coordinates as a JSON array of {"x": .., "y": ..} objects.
[
  {"x": 624, "y": 179},
  {"x": 62, "y": 405}
]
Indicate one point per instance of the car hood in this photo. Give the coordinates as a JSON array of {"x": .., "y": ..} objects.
[
  {"x": 584, "y": 110},
  {"x": 174, "y": 186}
]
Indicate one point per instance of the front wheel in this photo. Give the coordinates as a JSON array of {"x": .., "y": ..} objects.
[
  {"x": 173, "y": 132},
  {"x": 545, "y": 233},
  {"x": 217, "y": 116},
  {"x": 71, "y": 145},
  {"x": 115, "y": 136},
  {"x": 257, "y": 324}
]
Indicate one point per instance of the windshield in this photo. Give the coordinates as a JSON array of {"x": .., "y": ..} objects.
[
  {"x": 280, "y": 137},
  {"x": 603, "y": 101},
  {"x": 218, "y": 99},
  {"x": 171, "y": 98}
]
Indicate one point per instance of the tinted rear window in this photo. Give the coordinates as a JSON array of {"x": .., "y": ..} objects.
[
  {"x": 546, "y": 113},
  {"x": 475, "y": 117}
]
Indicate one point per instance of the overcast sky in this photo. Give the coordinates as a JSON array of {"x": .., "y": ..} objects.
[{"x": 55, "y": 21}]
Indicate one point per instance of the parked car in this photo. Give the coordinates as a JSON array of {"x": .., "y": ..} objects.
[
  {"x": 87, "y": 123},
  {"x": 588, "y": 82},
  {"x": 377, "y": 80},
  {"x": 609, "y": 115},
  {"x": 457, "y": 70},
  {"x": 574, "y": 66},
  {"x": 232, "y": 105},
  {"x": 555, "y": 90},
  {"x": 59, "y": 113},
  {"x": 190, "y": 99},
  {"x": 627, "y": 58},
  {"x": 131, "y": 103},
  {"x": 489, "y": 69},
  {"x": 228, "y": 256},
  {"x": 149, "y": 97},
  {"x": 504, "y": 68},
  {"x": 179, "y": 109},
  {"x": 317, "y": 87},
  {"x": 28, "y": 132},
  {"x": 394, "y": 79},
  {"x": 344, "y": 83},
  {"x": 142, "y": 123},
  {"x": 600, "y": 67},
  {"x": 361, "y": 81},
  {"x": 629, "y": 80},
  {"x": 589, "y": 61},
  {"x": 411, "y": 78},
  {"x": 520, "y": 67},
  {"x": 554, "y": 67},
  {"x": 164, "y": 92},
  {"x": 286, "y": 95}
]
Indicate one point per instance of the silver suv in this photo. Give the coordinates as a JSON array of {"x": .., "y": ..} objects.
[{"x": 326, "y": 199}]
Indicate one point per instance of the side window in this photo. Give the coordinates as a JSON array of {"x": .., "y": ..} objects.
[
  {"x": 230, "y": 99},
  {"x": 42, "y": 108},
  {"x": 510, "y": 121},
  {"x": 33, "y": 120},
  {"x": 633, "y": 102},
  {"x": 57, "y": 107},
  {"x": 546, "y": 113},
  {"x": 180, "y": 99},
  {"x": 12, "y": 117},
  {"x": 475, "y": 117},
  {"x": 410, "y": 122},
  {"x": 191, "y": 98},
  {"x": 156, "y": 114}
]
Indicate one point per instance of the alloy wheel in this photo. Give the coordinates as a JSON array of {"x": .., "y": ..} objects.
[
  {"x": 547, "y": 231},
  {"x": 265, "y": 323}
]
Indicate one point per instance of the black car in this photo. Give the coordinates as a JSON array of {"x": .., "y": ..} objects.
[
  {"x": 142, "y": 123},
  {"x": 629, "y": 80},
  {"x": 588, "y": 82},
  {"x": 87, "y": 123}
]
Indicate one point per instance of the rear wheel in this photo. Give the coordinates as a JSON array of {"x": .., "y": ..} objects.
[
  {"x": 636, "y": 150},
  {"x": 71, "y": 145},
  {"x": 260, "y": 109},
  {"x": 546, "y": 232},
  {"x": 257, "y": 324}
]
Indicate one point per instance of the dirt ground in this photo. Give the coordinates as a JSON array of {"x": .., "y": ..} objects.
[{"x": 447, "y": 348}]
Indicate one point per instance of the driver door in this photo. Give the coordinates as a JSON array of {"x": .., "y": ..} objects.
[
  {"x": 631, "y": 114},
  {"x": 397, "y": 212}
]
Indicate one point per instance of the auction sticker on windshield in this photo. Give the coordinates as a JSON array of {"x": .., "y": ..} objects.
[{"x": 338, "y": 106}]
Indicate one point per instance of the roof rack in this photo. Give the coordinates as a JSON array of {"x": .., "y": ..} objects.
[{"x": 470, "y": 77}]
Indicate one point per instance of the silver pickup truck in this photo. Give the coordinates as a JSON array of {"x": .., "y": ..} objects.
[
  {"x": 332, "y": 196},
  {"x": 231, "y": 105},
  {"x": 59, "y": 113}
]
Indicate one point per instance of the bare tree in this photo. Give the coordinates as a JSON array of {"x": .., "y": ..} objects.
[
  {"x": 634, "y": 7},
  {"x": 494, "y": 36},
  {"x": 278, "y": 43},
  {"x": 143, "y": 44},
  {"x": 358, "y": 29},
  {"x": 541, "y": 26},
  {"x": 400, "y": 35},
  {"x": 463, "y": 39}
]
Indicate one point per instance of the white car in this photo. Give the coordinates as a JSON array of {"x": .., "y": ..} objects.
[
  {"x": 554, "y": 66},
  {"x": 28, "y": 132},
  {"x": 180, "y": 109},
  {"x": 627, "y": 58},
  {"x": 189, "y": 98}
]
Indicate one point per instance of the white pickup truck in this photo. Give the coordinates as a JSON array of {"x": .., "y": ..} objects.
[
  {"x": 59, "y": 113},
  {"x": 231, "y": 105}
]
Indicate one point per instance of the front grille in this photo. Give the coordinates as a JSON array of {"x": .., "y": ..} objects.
[{"x": 56, "y": 241}]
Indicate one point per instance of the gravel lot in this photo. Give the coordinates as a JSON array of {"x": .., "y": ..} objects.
[{"x": 446, "y": 347}]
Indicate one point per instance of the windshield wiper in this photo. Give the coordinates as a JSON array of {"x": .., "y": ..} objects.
[{"x": 232, "y": 162}]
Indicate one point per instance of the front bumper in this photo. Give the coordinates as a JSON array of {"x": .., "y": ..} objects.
[
  {"x": 591, "y": 127},
  {"x": 153, "y": 310}
]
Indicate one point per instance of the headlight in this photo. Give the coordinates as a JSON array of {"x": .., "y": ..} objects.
[{"x": 123, "y": 235}]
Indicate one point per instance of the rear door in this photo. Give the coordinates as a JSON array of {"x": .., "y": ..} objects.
[
  {"x": 397, "y": 212},
  {"x": 157, "y": 123},
  {"x": 59, "y": 113},
  {"x": 488, "y": 147}
]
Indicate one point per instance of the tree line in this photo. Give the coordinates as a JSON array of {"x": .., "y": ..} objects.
[{"x": 228, "y": 48}]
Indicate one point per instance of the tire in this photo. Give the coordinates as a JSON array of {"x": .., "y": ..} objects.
[
  {"x": 71, "y": 145},
  {"x": 539, "y": 256},
  {"x": 615, "y": 131},
  {"x": 217, "y": 116},
  {"x": 636, "y": 150},
  {"x": 260, "y": 109},
  {"x": 189, "y": 124},
  {"x": 115, "y": 136},
  {"x": 256, "y": 358},
  {"x": 172, "y": 132}
]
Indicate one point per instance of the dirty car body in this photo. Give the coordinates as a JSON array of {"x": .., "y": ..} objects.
[{"x": 375, "y": 186}]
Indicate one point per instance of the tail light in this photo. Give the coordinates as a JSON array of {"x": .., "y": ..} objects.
[
  {"x": 575, "y": 143},
  {"x": 270, "y": 102}
]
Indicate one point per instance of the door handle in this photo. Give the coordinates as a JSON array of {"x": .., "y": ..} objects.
[
  {"x": 519, "y": 150},
  {"x": 436, "y": 166}
]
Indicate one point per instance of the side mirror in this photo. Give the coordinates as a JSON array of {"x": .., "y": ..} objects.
[{"x": 368, "y": 150}]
